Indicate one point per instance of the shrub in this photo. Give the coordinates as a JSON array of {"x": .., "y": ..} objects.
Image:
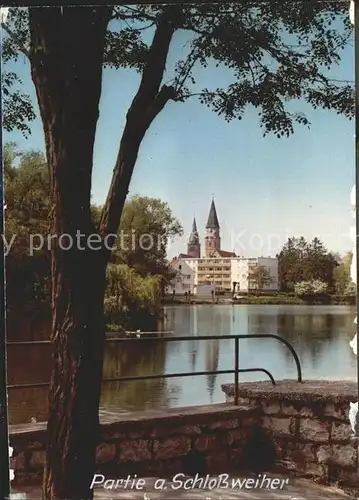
[
  {"x": 310, "y": 288},
  {"x": 270, "y": 300},
  {"x": 351, "y": 289}
]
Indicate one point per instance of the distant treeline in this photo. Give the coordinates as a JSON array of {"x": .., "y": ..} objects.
[{"x": 308, "y": 269}]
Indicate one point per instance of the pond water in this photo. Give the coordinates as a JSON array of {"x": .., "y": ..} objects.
[{"x": 319, "y": 334}]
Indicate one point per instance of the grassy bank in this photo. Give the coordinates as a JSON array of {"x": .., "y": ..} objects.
[{"x": 272, "y": 299}]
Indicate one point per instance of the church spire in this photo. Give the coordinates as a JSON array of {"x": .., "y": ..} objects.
[
  {"x": 212, "y": 222},
  {"x": 194, "y": 227},
  {"x": 194, "y": 246},
  {"x": 212, "y": 238}
]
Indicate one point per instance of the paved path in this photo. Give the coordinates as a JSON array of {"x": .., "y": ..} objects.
[{"x": 292, "y": 489}]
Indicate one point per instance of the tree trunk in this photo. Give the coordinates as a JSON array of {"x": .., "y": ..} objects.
[
  {"x": 4, "y": 436},
  {"x": 78, "y": 338},
  {"x": 66, "y": 64}
]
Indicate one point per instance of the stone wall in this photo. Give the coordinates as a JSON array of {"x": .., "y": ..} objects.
[
  {"x": 308, "y": 428},
  {"x": 296, "y": 429},
  {"x": 202, "y": 439}
]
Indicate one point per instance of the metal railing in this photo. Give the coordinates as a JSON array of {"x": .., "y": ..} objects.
[{"x": 236, "y": 371}]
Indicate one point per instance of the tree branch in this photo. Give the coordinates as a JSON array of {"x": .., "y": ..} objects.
[
  {"x": 13, "y": 35},
  {"x": 186, "y": 69},
  {"x": 166, "y": 94},
  {"x": 135, "y": 14},
  {"x": 146, "y": 105},
  {"x": 156, "y": 60}
]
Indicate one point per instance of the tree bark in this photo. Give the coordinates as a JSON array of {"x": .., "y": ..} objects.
[
  {"x": 4, "y": 430},
  {"x": 66, "y": 64}
]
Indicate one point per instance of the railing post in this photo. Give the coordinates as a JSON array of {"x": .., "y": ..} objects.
[{"x": 236, "y": 368}]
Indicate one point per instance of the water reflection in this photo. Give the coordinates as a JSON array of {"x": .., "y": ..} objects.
[
  {"x": 211, "y": 365},
  {"x": 320, "y": 335},
  {"x": 145, "y": 357}
]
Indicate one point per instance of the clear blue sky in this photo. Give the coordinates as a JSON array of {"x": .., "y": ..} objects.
[{"x": 266, "y": 189}]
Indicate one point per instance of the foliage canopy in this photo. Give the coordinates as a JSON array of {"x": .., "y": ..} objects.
[
  {"x": 136, "y": 274},
  {"x": 302, "y": 261},
  {"x": 274, "y": 53}
]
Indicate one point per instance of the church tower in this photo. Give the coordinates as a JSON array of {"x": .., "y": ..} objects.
[
  {"x": 194, "y": 246},
  {"x": 212, "y": 238}
]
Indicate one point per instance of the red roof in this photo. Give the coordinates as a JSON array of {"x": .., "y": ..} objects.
[
  {"x": 223, "y": 253},
  {"x": 176, "y": 259}
]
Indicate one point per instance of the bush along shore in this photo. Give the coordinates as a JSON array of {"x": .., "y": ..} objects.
[{"x": 265, "y": 299}]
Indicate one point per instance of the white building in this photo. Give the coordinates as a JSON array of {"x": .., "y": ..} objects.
[
  {"x": 184, "y": 279},
  {"x": 221, "y": 273},
  {"x": 245, "y": 272}
]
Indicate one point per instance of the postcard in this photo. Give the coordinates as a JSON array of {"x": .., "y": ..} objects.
[{"x": 180, "y": 250}]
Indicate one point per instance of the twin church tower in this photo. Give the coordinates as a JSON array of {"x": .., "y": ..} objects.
[{"x": 212, "y": 239}]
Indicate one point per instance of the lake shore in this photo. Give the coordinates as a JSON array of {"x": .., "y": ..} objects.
[{"x": 276, "y": 300}]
